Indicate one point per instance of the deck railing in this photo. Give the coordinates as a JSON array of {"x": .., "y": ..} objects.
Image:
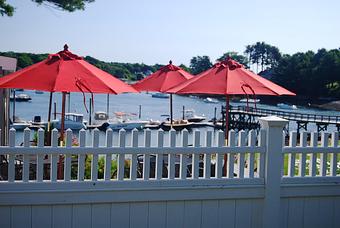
[{"x": 289, "y": 115}]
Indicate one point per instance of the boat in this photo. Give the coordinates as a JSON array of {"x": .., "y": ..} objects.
[
  {"x": 153, "y": 124},
  {"x": 122, "y": 120},
  {"x": 74, "y": 121},
  {"x": 21, "y": 97},
  {"x": 38, "y": 123},
  {"x": 210, "y": 100},
  {"x": 160, "y": 95},
  {"x": 245, "y": 100},
  {"x": 286, "y": 106},
  {"x": 192, "y": 117},
  {"x": 100, "y": 117},
  {"x": 176, "y": 124},
  {"x": 19, "y": 124}
]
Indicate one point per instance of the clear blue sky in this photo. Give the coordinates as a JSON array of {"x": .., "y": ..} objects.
[{"x": 154, "y": 31}]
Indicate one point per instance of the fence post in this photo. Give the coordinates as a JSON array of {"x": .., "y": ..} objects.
[{"x": 274, "y": 130}]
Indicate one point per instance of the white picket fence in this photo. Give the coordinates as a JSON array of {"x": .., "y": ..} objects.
[
  {"x": 142, "y": 162},
  {"x": 265, "y": 183},
  {"x": 318, "y": 159}
]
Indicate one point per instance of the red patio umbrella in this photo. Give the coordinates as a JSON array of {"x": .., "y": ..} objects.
[
  {"x": 229, "y": 78},
  {"x": 65, "y": 72},
  {"x": 162, "y": 80}
]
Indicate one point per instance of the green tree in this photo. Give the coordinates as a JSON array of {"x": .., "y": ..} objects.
[
  {"x": 184, "y": 67},
  {"x": 67, "y": 5},
  {"x": 24, "y": 60},
  {"x": 234, "y": 55},
  {"x": 262, "y": 54},
  {"x": 199, "y": 64},
  {"x": 310, "y": 74},
  {"x": 6, "y": 9}
]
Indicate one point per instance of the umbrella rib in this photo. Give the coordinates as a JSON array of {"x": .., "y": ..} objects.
[{"x": 114, "y": 92}]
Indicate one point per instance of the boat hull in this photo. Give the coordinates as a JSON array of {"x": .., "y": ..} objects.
[
  {"x": 125, "y": 126},
  {"x": 166, "y": 126},
  {"x": 68, "y": 125}
]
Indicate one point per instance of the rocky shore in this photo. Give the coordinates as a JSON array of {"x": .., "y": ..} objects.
[{"x": 333, "y": 105}]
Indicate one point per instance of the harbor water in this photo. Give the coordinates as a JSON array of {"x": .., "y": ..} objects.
[{"x": 151, "y": 108}]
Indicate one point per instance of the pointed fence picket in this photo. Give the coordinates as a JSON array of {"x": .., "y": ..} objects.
[
  {"x": 133, "y": 163},
  {"x": 82, "y": 157},
  {"x": 108, "y": 156}
]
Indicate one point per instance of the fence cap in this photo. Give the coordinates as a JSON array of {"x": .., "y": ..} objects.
[{"x": 273, "y": 121}]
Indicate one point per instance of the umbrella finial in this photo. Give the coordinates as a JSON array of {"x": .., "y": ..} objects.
[
  {"x": 170, "y": 62},
  {"x": 65, "y": 47}
]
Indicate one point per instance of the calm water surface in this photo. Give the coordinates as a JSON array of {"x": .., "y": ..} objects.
[{"x": 152, "y": 108}]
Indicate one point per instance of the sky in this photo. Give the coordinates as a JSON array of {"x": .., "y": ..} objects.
[{"x": 155, "y": 31}]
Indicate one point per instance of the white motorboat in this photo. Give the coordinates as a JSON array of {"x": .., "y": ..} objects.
[
  {"x": 192, "y": 117},
  {"x": 286, "y": 106},
  {"x": 160, "y": 95},
  {"x": 74, "y": 121},
  {"x": 210, "y": 100},
  {"x": 37, "y": 122},
  {"x": 21, "y": 97},
  {"x": 19, "y": 124},
  {"x": 122, "y": 121},
  {"x": 100, "y": 117},
  {"x": 245, "y": 100}
]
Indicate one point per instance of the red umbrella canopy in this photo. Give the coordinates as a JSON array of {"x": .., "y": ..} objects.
[
  {"x": 229, "y": 77},
  {"x": 164, "y": 79},
  {"x": 65, "y": 72}
]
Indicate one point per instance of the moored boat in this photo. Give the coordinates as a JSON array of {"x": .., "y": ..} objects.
[
  {"x": 21, "y": 97},
  {"x": 245, "y": 100},
  {"x": 176, "y": 124},
  {"x": 19, "y": 124},
  {"x": 121, "y": 121},
  {"x": 160, "y": 95},
  {"x": 192, "y": 117},
  {"x": 210, "y": 100},
  {"x": 100, "y": 117},
  {"x": 286, "y": 106},
  {"x": 74, "y": 121}
]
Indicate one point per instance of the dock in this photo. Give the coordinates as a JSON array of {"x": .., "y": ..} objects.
[{"x": 242, "y": 117}]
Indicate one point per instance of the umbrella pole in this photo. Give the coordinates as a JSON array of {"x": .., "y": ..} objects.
[
  {"x": 171, "y": 116},
  {"x": 61, "y": 139},
  {"x": 226, "y": 130},
  {"x": 108, "y": 104},
  {"x": 49, "y": 120},
  {"x": 62, "y": 127},
  {"x": 49, "y": 113},
  {"x": 226, "y": 116},
  {"x": 13, "y": 106}
]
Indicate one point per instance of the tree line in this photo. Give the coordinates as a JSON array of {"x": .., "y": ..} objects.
[{"x": 308, "y": 74}]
